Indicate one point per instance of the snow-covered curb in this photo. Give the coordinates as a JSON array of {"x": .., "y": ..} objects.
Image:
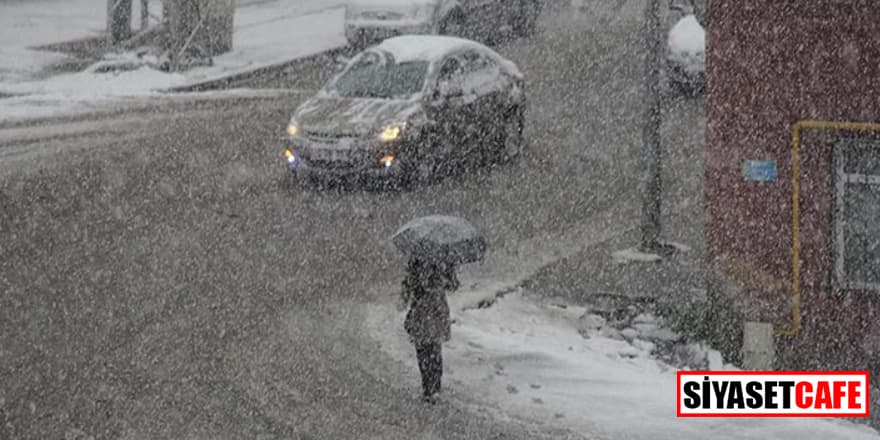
[
  {"x": 260, "y": 44},
  {"x": 23, "y": 112},
  {"x": 531, "y": 361}
]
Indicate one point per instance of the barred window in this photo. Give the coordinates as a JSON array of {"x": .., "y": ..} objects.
[{"x": 857, "y": 214}]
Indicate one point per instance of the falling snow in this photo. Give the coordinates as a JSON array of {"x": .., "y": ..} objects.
[{"x": 208, "y": 253}]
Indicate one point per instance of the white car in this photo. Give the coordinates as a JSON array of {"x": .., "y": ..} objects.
[
  {"x": 686, "y": 54},
  {"x": 370, "y": 21}
]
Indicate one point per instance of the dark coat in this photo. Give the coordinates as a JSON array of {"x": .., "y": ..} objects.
[{"x": 428, "y": 319}]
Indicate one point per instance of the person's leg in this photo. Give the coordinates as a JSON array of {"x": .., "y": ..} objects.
[
  {"x": 436, "y": 368},
  {"x": 439, "y": 366},
  {"x": 423, "y": 355}
]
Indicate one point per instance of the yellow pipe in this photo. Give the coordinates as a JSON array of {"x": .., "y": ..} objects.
[{"x": 795, "y": 327}]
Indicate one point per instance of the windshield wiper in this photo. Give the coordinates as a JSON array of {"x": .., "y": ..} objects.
[{"x": 375, "y": 95}]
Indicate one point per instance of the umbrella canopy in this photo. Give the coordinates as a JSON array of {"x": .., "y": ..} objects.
[{"x": 440, "y": 237}]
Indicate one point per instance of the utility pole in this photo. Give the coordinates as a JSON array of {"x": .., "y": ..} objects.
[
  {"x": 653, "y": 195},
  {"x": 200, "y": 29},
  {"x": 145, "y": 15},
  {"x": 118, "y": 20}
]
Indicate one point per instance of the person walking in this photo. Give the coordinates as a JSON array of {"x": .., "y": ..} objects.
[{"x": 428, "y": 321}]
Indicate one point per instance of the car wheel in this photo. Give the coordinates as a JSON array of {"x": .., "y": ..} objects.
[{"x": 511, "y": 144}]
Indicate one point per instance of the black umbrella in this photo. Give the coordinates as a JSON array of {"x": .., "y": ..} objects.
[{"x": 440, "y": 237}]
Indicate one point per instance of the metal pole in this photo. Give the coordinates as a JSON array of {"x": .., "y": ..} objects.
[
  {"x": 118, "y": 20},
  {"x": 145, "y": 14},
  {"x": 651, "y": 208}
]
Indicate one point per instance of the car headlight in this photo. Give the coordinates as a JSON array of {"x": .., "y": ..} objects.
[
  {"x": 391, "y": 133},
  {"x": 292, "y": 129},
  {"x": 289, "y": 155}
]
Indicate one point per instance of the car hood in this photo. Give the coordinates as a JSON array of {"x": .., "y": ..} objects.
[{"x": 352, "y": 116}]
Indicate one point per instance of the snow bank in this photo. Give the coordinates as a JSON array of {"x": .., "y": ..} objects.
[
  {"x": 24, "y": 25},
  {"x": 546, "y": 364},
  {"x": 260, "y": 44},
  {"x": 89, "y": 84},
  {"x": 633, "y": 254},
  {"x": 265, "y": 35},
  {"x": 254, "y": 47},
  {"x": 28, "y": 24}
]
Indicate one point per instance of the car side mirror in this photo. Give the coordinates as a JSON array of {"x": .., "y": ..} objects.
[
  {"x": 450, "y": 90},
  {"x": 341, "y": 62},
  {"x": 455, "y": 92}
]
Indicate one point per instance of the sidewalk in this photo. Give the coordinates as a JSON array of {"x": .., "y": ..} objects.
[
  {"x": 673, "y": 287},
  {"x": 567, "y": 337},
  {"x": 267, "y": 33},
  {"x": 547, "y": 361}
]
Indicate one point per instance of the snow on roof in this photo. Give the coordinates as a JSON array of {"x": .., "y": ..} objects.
[
  {"x": 430, "y": 48},
  {"x": 687, "y": 36},
  {"x": 407, "y": 48}
]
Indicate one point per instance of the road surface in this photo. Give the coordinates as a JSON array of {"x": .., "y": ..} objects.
[{"x": 159, "y": 282}]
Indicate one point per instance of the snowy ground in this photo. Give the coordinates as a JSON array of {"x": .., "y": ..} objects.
[
  {"x": 24, "y": 25},
  {"x": 560, "y": 366},
  {"x": 266, "y": 33}
]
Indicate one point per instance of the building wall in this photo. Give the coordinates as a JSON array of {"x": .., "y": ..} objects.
[{"x": 770, "y": 64}]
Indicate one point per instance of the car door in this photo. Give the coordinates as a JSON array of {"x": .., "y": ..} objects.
[
  {"x": 487, "y": 88},
  {"x": 451, "y": 109}
]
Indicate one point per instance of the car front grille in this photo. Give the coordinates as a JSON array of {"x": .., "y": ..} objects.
[
  {"x": 328, "y": 136},
  {"x": 381, "y": 15},
  {"x": 333, "y": 165},
  {"x": 355, "y": 159}
]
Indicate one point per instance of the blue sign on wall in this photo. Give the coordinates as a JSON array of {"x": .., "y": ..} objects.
[{"x": 760, "y": 170}]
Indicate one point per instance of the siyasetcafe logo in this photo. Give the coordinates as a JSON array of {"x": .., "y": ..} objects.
[{"x": 772, "y": 394}]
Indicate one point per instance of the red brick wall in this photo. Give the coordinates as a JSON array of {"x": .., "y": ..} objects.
[{"x": 771, "y": 63}]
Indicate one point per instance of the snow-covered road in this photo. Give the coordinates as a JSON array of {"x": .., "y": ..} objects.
[{"x": 160, "y": 283}]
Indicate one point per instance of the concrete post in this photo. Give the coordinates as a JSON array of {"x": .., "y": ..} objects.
[
  {"x": 759, "y": 346},
  {"x": 118, "y": 20},
  {"x": 653, "y": 183},
  {"x": 219, "y": 26},
  {"x": 200, "y": 29}
]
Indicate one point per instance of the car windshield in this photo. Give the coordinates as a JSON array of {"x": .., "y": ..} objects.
[{"x": 381, "y": 80}]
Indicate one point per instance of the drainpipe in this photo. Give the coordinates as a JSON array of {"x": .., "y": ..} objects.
[{"x": 797, "y": 128}]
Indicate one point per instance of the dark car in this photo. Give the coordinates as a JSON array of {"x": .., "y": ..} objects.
[
  {"x": 370, "y": 21},
  {"x": 405, "y": 109}
]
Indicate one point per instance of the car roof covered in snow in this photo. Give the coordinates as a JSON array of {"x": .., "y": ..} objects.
[
  {"x": 391, "y": 3},
  {"x": 431, "y": 48},
  {"x": 407, "y": 48}
]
